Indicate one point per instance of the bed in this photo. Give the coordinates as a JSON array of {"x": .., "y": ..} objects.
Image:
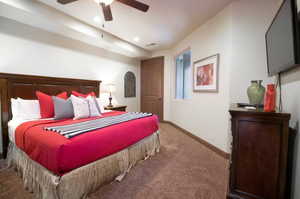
[{"x": 54, "y": 167}]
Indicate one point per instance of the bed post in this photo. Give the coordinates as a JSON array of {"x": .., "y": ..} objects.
[{"x": 4, "y": 117}]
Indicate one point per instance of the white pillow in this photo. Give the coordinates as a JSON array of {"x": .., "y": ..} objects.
[
  {"x": 81, "y": 107},
  {"x": 93, "y": 106},
  {"x": 26, "y": 109},
  {"x": 14, "y": 108},
  {"x": 101, "y": 105}
]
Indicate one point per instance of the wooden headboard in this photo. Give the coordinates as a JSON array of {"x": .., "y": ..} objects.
[{"x": 24, "y": 86}]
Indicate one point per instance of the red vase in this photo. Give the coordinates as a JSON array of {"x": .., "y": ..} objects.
[{"x": 270, "y": 98}]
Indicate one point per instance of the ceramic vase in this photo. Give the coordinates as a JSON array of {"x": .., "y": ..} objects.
[{"x": 256, "y": 92}]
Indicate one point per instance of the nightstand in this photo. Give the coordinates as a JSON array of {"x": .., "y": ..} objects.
[{"x": 116, "y": 108}]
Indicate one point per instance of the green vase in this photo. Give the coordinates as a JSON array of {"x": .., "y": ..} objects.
[{"x": 256, "y": 92}]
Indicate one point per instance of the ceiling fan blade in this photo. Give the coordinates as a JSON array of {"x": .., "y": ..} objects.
[
  {"x": 106, "y": 12},
  {"x": 65, "y": 1},
  {"x": 135, "y": 4}
]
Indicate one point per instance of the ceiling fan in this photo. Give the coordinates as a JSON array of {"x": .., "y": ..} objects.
[{"x": 105, "y": 4}]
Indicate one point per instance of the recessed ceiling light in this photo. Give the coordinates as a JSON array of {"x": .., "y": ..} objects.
[
  {"x": 136, "y": 39},
  {"x": 97, "y": 19}
]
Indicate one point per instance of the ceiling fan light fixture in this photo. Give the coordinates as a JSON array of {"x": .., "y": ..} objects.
[
  {"x": 106, "y": 8},
  {"x": 106, "y": 2}
]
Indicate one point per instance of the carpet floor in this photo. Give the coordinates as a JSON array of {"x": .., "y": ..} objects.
[{"x": 184, "y": 168}]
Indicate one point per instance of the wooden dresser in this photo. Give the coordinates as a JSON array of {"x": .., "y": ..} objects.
[{"x": 260, "y": 151}]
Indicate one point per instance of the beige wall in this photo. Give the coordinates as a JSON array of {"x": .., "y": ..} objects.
[
  {"x": 239, "y": 37},
  {"x": 248, "y": 45},
  {"x": 204, "y": 114}
]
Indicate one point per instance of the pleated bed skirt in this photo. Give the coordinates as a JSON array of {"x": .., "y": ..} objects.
[{"x": 79, "y": 183}]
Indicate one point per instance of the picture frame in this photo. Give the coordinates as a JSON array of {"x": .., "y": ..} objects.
[{"x": 206, "y": 74}]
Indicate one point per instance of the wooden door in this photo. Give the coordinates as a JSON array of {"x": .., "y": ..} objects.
[{"x": 152, "y": 86}]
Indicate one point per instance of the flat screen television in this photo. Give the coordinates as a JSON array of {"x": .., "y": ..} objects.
[{"x": 282, "y": 39}]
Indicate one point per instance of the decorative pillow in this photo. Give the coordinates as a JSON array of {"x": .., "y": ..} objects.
[
  {"x": 81, "y": 107},
  {"x": 28, "y": 109},
  {"x": 46, "y": 103},
  {"x": 25, "y": 109},
  {"x": 62, "y": 108},
  {"x": 93, "y": 106},
  {"x": 77, "y": 94},
  {"x": 101, "y": 105}
]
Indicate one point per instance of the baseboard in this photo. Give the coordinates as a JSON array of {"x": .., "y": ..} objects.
[{"x": 198, "y": 139}]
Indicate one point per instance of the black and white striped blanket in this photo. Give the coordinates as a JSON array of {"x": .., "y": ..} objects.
[{"x": 72, "y": 130}]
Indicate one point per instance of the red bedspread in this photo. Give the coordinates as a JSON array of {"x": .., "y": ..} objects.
[{"x": 61, "y": 155}]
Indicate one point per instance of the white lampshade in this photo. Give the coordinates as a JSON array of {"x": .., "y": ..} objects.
[
  {"x": 111, "y": 88},
  {"x": 108, "y": 88}
]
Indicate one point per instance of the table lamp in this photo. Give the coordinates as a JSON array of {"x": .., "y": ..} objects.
[{"x": 111, "y": 89}]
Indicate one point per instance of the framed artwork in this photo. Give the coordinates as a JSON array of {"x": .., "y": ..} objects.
[{"x": 206, "y": 74}]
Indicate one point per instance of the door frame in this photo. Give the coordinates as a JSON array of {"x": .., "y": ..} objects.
[{"x": 162, "y": 84}]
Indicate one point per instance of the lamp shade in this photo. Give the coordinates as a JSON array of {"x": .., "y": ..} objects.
[{"x": 111, "y": 88}]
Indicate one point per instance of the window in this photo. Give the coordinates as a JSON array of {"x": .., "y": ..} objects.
[{"x": 183, "y": 75}]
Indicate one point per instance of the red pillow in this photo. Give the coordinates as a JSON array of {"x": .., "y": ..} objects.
[
  {"x": 83, "y": 95},
  {"x": 46, "y": 103}
]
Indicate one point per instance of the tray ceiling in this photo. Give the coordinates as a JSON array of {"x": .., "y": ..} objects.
[{"x": 165, "y": 24}]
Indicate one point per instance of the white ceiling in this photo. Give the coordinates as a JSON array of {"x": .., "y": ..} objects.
[{"x": 166, "y": 22}]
